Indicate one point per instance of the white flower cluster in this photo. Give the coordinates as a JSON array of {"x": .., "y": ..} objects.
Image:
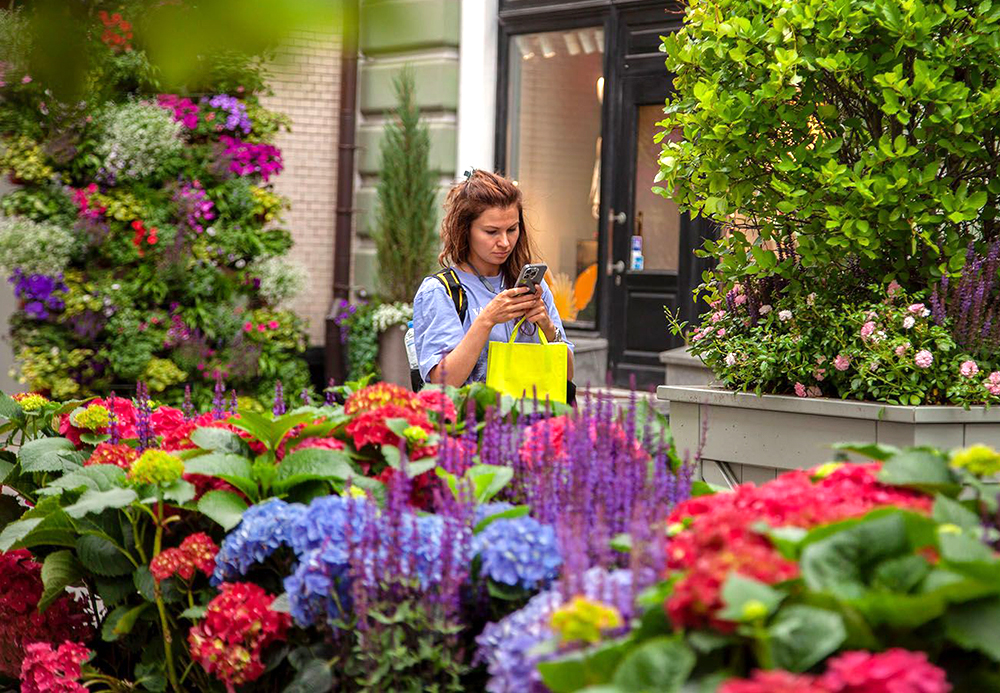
[
  {"x": 281, "y": 279},
  {"x": 34, "y": 248},
  {"x": 137, "y": 139},
  {"x": 389, "y": 314}
]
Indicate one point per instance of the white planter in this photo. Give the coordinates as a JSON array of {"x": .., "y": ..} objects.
[{"x": 752, "y": 438}]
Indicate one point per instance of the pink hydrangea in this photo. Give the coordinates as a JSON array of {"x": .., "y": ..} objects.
[
  {"x": 901, "y": 349},
  {"x": 718, "y": 315},
  {"x": 841, "y": 362},
  {"x": 800, "y": 390},
  {"x": 721, "y": 332},
  {"x": 867, "y": 329},
  {"x": 819, "y": 374},
  {"x": 777, "y": 681},
  {"x": 893, "y": 671},
  {"x": 740, "y": 300},
  {"x": 968, "y": 369},
  {"x": 45, "y": 669},
  {"x": 923, "y": 359}
]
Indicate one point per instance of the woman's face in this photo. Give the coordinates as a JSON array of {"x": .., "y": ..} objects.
[{"x": 493, "y": 236}]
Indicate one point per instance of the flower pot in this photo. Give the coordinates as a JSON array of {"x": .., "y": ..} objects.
[
  {"x": 753, "y": 438},
  {"x": 392, "y": 356}
]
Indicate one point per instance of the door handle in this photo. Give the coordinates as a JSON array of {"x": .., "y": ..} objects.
[
  {"x": 619, "y": 218},
  {"x": 616, "y": 267}
]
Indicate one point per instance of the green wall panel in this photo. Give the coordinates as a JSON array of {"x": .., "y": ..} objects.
[
  {"x": 436, "y": 82},
  {"x": 364, "y": 205},
  {"x": 399, "y": 25},
  {"x": 444, "y": 148}
]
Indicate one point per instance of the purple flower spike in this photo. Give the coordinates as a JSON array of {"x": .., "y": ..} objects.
[
  {"x": 219, "y": 400},
  {"x": 279, "y": 399},
  {"x": 143, "y": 427},
  {"x": 330, "y": 400},
  {"x": 188, "y": 407}
]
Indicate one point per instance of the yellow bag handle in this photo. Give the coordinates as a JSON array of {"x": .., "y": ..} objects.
[{"x": 541, "y": 333}]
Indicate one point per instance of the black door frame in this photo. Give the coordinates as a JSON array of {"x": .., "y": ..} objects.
[{"x": 620, "y": 56}]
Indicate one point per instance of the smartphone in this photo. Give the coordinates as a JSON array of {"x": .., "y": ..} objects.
[{"x": 531, "y": 275}]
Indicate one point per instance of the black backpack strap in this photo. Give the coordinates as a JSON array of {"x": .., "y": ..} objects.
[{"x": 455, "y": 291}]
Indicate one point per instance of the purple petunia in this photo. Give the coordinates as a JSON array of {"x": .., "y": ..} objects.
[{"x": 38, "y": 291}]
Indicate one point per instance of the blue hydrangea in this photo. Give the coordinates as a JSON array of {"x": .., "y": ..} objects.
[
  {"x": 262, "y": 531},
  {"x": 519, "y": 551},
  {"x": 506, "y": 647},
  {"x": 325, "y": 521},
  {"x": 490, "y": 509},
  {"x": 321, "y": 575}
]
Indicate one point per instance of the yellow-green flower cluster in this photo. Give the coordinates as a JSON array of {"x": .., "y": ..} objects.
[
  {"x": 583, "y": 620},
  {"x": 92, "y": 418},
  {"x": 267, "y": 205},
  {"x": 48, "y": 369},
  {"x": 120, "y": 204},
  {"x": 415, "y": 435},
  {"x": 31, "y": 401},
  {"x": 980, "y": 460},
  {"x": 156, "y": 467},
  {"x": 24, "y": 158},
  {"x": 265, "y": 123},
  {"x": 161, "y": 374},
  {"x": 825, "y": 470}
]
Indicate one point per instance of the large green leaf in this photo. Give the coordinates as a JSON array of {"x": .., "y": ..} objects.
[
  {"x": 121, "y": 620},
  {"x": 59, "y": 570},
  {"x": 9, "y": 408},
  {"x": 579, "y": 668},
  {"x": 114, "y": 591},
  {"x": 838, "y": 563},
  {"x": 488, "y": 480},
  {"x": 871, "y": 451},
  {"x": 801, "y": 636},
  {"x": 312, "y": 676},
  {"x": 53, "y": 528},
  {"x": 102, "y": 557},
  {"x": 973, "y": 625},
  {"x": 747, "y": 599},
  {"x": 920, "y": 469},
  {"x": 48, "y": 455},
  {"x": 312, "y": 464},
  {"x": 99, "y": 501},
  {"x": 5, "y": 468},
  {"x": 948, "y": 511},
  {"x": 98, "y": 477},
  {"x": 234, "y": 469},
  {"x": 224, "y": 507},
  {"x": 219, "y": 440},
  {"x": 660, "y": 665}
]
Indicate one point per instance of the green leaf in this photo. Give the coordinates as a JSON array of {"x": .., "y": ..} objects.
[
  {"x": 801, "y": 636},
  {"x": 516, "y": 511},
  {"x": 398, "y": 426},
  {"x": 180, "y": 492},
  {"x": 224, "y": 507},
  {"x": 919, "y": 469},
  {"x": 99, "y": 501},
  {"x": 973, "y": 625},
  {"x": 98, "y": 477},
  {"x": 747, "y": 599},
  {"x": 59, "y": 570},
  {"x": 9, "y": 408},
  {"x": 114, "y": 590},
  {"x": 48, "y": 455},
  {"x": 948, "y": 511},
  {"x": 660, "y": 665},
  {"x": 622, "y": 542},
  {"x": 54, "y": 528},
  {"x": 313, "y": 676},
  {"x": 102, "y": 557},
  {"x": 231, "y": 468},
  {"x": 121, "y": 621},
  {"x": 312, "y": 464},
  {"x": 488, "y": 480},
  {"x": 871, "y": 451},
  {"x": 220, "y": 440},
  {"x": 194, "y": 612},
  {"x": 5, "y": 468}
]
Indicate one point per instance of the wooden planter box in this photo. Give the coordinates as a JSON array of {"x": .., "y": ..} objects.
[{"x": 753, "y": 438}]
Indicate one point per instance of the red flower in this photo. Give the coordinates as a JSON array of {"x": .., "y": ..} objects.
[
  {"x": 773, "y": 682},
  {"x": 45, "y": 670},
  {"x": 379, "y": 395},
  {"x": 196, "y": 552},
  {"x": 120, "y": 455},
  {"x": 238, "y": 626},
  {"x": 20, "y": 622},
  {"x": 437, "y": 402},
  {"x": 892, "y": 671},
  {"x": 369, "y": 427},
  {"x": 321, "y": 443},
  {"x": 421, "y": 487},
  {"x": 166, "y": 420}
]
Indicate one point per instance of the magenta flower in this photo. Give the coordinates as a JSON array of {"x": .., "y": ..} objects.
[
  {"x": 923, "y": 359},
  {"x": 721, "y": 332},
  {"x": 248, "y": 326},
  {"x": 841, "y": 362},
  {"x": 968, "y": 369},
  {"x": 893, "y": 670},
  {"x": 273, "y": 325}
]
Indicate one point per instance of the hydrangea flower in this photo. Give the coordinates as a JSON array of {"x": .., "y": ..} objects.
[
  {"x": 584, "y": 620},
  {"x": 520, "y": 551},
  {"x": 968, "y": 369},
  {"x": 156, "y": 467},
  {"x": 264, "y": 529},
  {"x": 923, "y": 359},
  {"x": 30, "y": 401},
  {"x": 777, "y": 681},
  {"x": 45, "y": 669},
  {"x": 196, "y": 552},
  {"x": 981, "y": 460},
  {"x": 120, "y": 455},
  {"x": 506, "y": 647},
  {"x": 895, "y": 669}
]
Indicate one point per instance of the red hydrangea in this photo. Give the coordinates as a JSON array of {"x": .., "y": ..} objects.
[
  {"x": 422, "y": 487},
  {"x": 196, "y": 552},
  {"x": 893, "y": 671},
  {"x": 321, "y": 443},
  {"x": 718, "y": 538},
  {"x": 123, "y": 410},
  {"x": 777, "y": 681},
  {"x": 20, "y": 622},
  {"x": 547, "y": 439},
  {"x": 45, "y": 670},
  {"x": 238, "y": 626},
  {"x": 379, "y": 395},
  {"x": 438, "y": 402},
  {"x": 369, "y": 428},
  {"x": 120, "y": 455}
]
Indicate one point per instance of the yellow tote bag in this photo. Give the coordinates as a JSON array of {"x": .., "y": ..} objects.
[{"x": 521, "y": 369}]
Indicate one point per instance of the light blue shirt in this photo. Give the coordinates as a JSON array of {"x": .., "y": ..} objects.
[{"x": 437, "y": 329}]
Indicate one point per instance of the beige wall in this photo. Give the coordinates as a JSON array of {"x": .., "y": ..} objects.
[
  {"x": 306, "y": 84},
  {"x": 7, "y": 305}
]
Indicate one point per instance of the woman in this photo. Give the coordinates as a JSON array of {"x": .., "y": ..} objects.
[{"x": 486, "y": 242}]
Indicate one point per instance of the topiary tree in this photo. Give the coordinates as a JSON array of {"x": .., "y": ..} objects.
[
  {"x": 405, "y": 234},
  {"x": 143, "y": 239},
  {"x": 859, "y": 136}
]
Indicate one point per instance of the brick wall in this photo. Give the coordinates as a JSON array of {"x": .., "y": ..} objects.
[{"x": 306, "y": 84}]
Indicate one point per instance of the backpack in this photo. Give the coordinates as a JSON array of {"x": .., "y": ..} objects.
[{"x": 456, "y": 292}]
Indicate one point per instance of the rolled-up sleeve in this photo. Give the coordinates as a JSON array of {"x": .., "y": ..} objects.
[{"x": 437, "y": 329}]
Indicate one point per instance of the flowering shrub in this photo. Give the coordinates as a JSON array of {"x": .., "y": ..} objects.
[
  {"x": 142, "y": 236},
  {"x": 45, "y": 669},
  {"x": 890, "y": 350}
]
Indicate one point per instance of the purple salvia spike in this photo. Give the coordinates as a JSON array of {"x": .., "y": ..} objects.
[
  {"x": 188, "y": 406},
  {"x": 234, "y": 403},
  {"x": 219, "y": 400},
  {"x": 113, "y": 430},
  {"x": 304, "y": 396},
  {"x": 279, "y": 400},
  {"x": 330, "y": 400},
  {"x": 143, "y": 429}
]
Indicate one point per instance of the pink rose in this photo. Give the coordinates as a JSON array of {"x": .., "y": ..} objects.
[
  {"x": 841, "y": 362},
  {"x": 800, "y": 390},
  {"x": 919, "y": 309},
  {"x": 819, "y": 374},
  {"x": 731, "y": 359},
  {"x": 923, "y": 359},
  {"x": 867, "y": 329},
  {"x": 968, "y": 369},
  {"x": 718, "y": 315},
  {"x": 721, "y": 332},
  {"x": 740, "y": 300},
  {"x": 894, "y": 288}
]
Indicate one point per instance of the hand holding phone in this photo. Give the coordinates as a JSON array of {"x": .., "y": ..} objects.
[{"x": 531, "y": 276}]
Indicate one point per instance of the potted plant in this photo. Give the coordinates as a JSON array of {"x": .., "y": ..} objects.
[{"x": 848, "y": 154}]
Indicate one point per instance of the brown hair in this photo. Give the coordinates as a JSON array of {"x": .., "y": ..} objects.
[{"x": 468, "y": 199}]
